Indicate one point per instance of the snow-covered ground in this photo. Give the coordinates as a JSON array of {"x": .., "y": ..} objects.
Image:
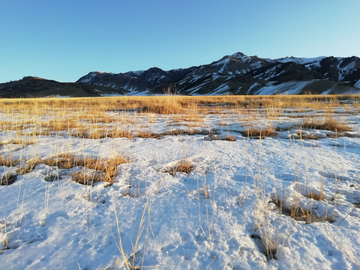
[{"x": 222, "y": 215}]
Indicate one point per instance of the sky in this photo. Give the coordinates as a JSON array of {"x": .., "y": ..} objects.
[{"x": 65, "y": 40}]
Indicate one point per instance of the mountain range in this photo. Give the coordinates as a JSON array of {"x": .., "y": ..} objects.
[{"x": 232, "y": 74}]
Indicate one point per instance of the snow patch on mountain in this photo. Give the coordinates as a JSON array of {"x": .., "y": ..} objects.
[
  {"x": 252, "y": 87},
  {"x": 138, "y": 72},
  {"x": 288, "y": 88},
  {"x": 346, "y": 70},
  {"x": 195, "y": 78},
  {"x": 221, "y": 89},
  {"x": 224, "y": 63},
  {"x": 357, "y": 84},
  {"x": 301, "y": 61}
]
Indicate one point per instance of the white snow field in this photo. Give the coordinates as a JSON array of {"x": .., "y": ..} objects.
[{"x": 287, "y": 201}]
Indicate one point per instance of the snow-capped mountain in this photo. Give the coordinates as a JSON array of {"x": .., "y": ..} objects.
[{"x": 241, "y": 74}]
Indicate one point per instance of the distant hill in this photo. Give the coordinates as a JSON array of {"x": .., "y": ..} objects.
[{"x": 38, "y": 87}]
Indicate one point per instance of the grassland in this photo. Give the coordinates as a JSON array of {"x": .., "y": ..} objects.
[{"x": 179, "y": 182}]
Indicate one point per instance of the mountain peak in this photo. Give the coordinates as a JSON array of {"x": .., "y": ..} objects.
[{"x": 241, "y": 56}]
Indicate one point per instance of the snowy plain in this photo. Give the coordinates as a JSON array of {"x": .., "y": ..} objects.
[{"x": 219, "y": 216}]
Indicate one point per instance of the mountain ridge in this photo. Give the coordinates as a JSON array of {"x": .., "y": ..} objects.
[
  {"x": 232, "y": 74},
  {"x": 241, "y": 74}
]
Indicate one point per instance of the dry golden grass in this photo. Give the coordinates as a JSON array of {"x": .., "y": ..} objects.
[
  {"x": 173, "y": 104},
  {"x": 80, "y": 133},
  {"x": 328, "y": 123},
  {"x": 167, "y": 105},
  {"x": 193, "y": 108},
  {"x": 62, "y": 124},
  {"x": 64, "y": 161},
  {"x": 93, "y": 118},
  {"x": 118, "y": 133},
  {"x": 101, "y": 133}
]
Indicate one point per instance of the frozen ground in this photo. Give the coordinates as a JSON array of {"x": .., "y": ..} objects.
[{"x": 220, "y": 216}]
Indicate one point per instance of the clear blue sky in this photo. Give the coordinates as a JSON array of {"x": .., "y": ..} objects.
[{"x": 65, "y": 39}]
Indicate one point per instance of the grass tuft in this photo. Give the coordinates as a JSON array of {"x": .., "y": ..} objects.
[
  {"x": 182, "y": 166},
  {"x": 8, "y": 161},
  {"x": 107, "y": 166}
]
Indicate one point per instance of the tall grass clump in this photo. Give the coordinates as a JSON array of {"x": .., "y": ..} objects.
[
  {"x": 162, "y": 105},
  {"x": 327, "y": 123}
]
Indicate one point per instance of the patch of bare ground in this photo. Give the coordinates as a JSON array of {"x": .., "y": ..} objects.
[
  {"x": 308, "y": 137},
  {"x": 190, "y": 132},
  {"x": 18, "y": 141},
  {"x": 87, "y": 178},
  {"x": 8, "y": 178},
  {"x": 259, "y": 133},
  {"x": 7, "y": 125},
  {"x": 101, "y": 133},
  {"x": 149, "y": 135},
  {"x": 265, "y": 247},
  {"x": 37, "y": 133},
  {"x": 221, "y": 138},
  {"x": 299, "y": 213}
]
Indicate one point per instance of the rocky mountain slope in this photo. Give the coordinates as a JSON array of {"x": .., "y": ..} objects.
[
  {"x": 241, "y": 74},
  {"x": 38, "y": 87}
]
